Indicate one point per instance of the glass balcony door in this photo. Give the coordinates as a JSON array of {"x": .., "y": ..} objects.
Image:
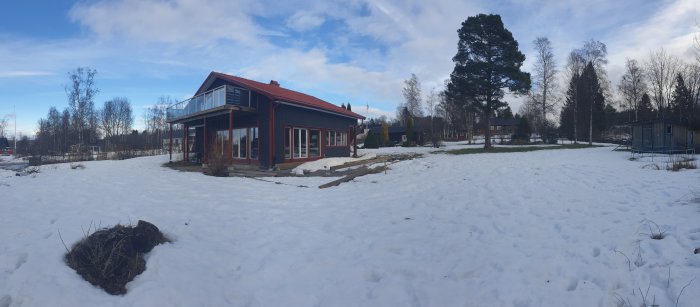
[{"x": 301, "y": 145}]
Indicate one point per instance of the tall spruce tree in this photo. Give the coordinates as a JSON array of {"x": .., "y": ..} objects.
[
  {"x": 646, "y": 109},
  {"x": 568, "y": 123},
  {"x": 681, "y": 101},
  {"x": 487, "y": 62},
  {"x": 591, "y": 100}
]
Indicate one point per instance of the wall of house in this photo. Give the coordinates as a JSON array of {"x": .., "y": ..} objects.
[{"x": 290, "y": 116}]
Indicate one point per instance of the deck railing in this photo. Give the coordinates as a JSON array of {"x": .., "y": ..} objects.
[{"x": 225, "y": 94}]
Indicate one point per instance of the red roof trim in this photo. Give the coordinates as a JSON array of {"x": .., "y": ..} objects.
[{"x": 275, "y": 92}]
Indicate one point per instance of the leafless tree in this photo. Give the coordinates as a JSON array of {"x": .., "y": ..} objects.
[
  {"x": 696, "y": 40},
  {"x": 81, "y": 92},
  {"x": 116, "y": 117},
  {"x": 661, "y": 70},
  {"x": 632, "y": 86},
  {"x": 595, "y": 52},
  {"x": 412, "y": 94},
  {"x": 544, "y": 80},
  {"x": 431, "y": 103},
  {"x": 4, "y": 121},
  {"x": 156, "y": 122}
]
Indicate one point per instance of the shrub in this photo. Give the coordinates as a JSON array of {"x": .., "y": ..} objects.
[
  {"x": 522, "y": 131},
  {"x": 218, "y": 161},
  {"x": 679, "y": 165},
  {"x": 548, "y": 132},
  {"x": 110, "y": 258},
  {"x": 371, "y": 140}
]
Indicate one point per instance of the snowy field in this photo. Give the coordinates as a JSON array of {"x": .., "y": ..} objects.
[{"x": 544, "y": 228}]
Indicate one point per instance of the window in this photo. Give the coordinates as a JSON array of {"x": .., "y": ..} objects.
[
  {"x": 315, "y": 143},
  {"x": 240, "y": 143},
  {"x": 300, "y": 143},
  {"x": 336, "y": 138},
  {"x": 254, "y": 143},
  {"x": 221, "y": 142}
]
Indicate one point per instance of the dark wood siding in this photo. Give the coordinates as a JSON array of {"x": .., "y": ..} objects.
[{"x": 291, "y": 116}]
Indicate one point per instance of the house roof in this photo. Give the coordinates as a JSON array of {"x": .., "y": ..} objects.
[
  {"x": 503, "y": 122},
  {"x": 276, "y": 92}
]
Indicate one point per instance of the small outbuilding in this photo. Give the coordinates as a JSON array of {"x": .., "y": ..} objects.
[{"x": 661, "y": 136}]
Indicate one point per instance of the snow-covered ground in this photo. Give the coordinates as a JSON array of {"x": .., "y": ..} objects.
[{"x": 544, "y": 228}]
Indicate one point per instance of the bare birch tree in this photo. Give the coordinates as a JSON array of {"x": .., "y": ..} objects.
[
  {"x": 81, "y": 92},
  {"x": 661, "y": 70},
  {"x": 412, "y": 94},
  {"x": 632, "y": 86},
  {"x": 544, "y": 80}
]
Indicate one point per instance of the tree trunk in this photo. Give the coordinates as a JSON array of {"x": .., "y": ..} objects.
[
  {"x": 590, "y": 124},
  {"x": 576, "y": 113},
  {"x": 487, "y": 133}
]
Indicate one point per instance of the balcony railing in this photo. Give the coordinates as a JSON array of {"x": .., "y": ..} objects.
[{"x": 223, "y": 95}]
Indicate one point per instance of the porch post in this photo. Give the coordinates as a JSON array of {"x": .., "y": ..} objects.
[
  {"x": 171, "y": 142},
  {"x": 204, "y": 150},
  {"x": 185, "y": 141},
  {"x": 354, "y": 155},
  {"x": 230, "y": 136}
]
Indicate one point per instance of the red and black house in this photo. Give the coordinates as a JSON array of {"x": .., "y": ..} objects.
[{"x": 260, "y": 124}]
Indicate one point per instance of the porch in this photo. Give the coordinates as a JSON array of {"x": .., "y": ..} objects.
[{"x": 221, "y": 122}]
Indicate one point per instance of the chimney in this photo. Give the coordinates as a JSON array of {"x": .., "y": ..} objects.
[{"x": 275, "y": 83}]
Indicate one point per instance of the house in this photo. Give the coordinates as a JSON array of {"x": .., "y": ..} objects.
[
  {"x": 503, "y": 127},
  {"x": 5, "y": 148},
  {"x": 661, "y": 136},
  {"x": 397, "y": 134},
  {"x": 262, "y": 124}
]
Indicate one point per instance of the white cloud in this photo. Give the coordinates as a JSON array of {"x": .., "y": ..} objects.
[
  {"x": 304, "y": 21},
  {"x": 23, "y": 73},
  {"x": 184, "y": 22}
]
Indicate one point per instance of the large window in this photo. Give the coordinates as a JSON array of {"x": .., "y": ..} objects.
[
  {"x": 221, "y": 142},
  {"x": 254, "y": 143},
  {"x": 240, "y": 143},
  {"x": 336, "y": 138},
  {"x": 300, "y": 143},
  {"x": 315, "y": 143}
]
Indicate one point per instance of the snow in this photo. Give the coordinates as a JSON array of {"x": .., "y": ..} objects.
[
  {"x": 543, "y": 228},
  {"x": 327, "y": 163}
]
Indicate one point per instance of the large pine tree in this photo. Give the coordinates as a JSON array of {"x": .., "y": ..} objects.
[{"x": 487, "y": 62}]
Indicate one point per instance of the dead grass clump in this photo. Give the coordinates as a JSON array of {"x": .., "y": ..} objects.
[
  {"x": 679, "y": 165},
  {"x": 110, "y": 258}
]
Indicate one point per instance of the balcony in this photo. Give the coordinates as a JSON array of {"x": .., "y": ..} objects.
[{"x": 209, "y": 100}]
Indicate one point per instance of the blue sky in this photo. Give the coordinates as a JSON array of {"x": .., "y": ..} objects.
[{"x": 355, "y": 51}]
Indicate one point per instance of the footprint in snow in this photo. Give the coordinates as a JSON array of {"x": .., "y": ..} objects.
[
  {"x": 373, "y": 276},
  {"x": 5, "y": 301},
  {"x": 572, "y": 284},
  {"x": 22, "y": 259},
  {"x": 596, "y": 252}
]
